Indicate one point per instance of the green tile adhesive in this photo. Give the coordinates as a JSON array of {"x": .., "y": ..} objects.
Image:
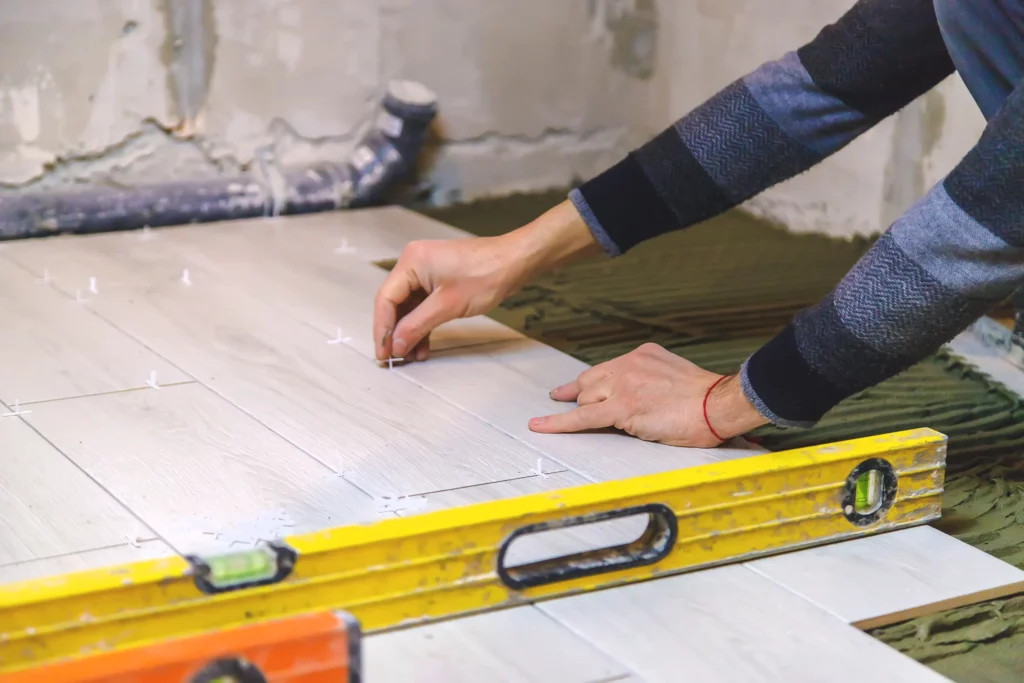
[{"x": 716, "y": 292}]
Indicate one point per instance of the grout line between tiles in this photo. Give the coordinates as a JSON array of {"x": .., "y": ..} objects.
[
  {"x": 227, "y": 281},
  {"x": 531, "y": 380},
  {"x": 93, "y": 479},
  {"x": 312, "y": 327},
  {"x": 194, "y": 380},
  {"x": 8, "y": 565},
  {"x": 290, "y": 314},
  {"x": 221, "y": 278},
  {"x": 279, "y": 435},
  {"x": 540, "y": 607},
  {"x": 748, "y": 565},
  {"x": 58, "y": 288},
  {"x": 489, "y": 483},
  {"x": 494, "y": 426},
  {"x": 58, "y": 399}
]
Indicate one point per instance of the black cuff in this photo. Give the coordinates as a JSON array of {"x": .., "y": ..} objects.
[
  {"x": 626, "y": 206},
  {"x": 783, "y": 387}
]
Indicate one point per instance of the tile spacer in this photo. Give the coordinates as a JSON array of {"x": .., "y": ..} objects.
[
  {"x": 344, "y": 248},
  {"x": 151, "y": 382},
  {"x": 339, "y": 339},
  {"x": 133, "y": 538},
  {"x": 17, "y": 410},
  {"x": 539, "y": 471}
]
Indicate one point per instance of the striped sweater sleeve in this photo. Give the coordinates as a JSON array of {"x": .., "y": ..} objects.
[
  {"x": 950, "y": 258},
  {"x": 770, "y": 125}
]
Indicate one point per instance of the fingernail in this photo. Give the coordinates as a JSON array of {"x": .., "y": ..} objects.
[
  {"x": 536, "y": 421},
  {"x": 421, "y": 355},
  {"x": 398, "y": 347}
]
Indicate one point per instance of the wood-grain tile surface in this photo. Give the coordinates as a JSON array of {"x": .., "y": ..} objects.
[{"x": 196, "y": 469}]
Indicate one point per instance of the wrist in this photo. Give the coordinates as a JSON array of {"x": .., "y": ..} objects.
[
  {"x": 729, "y": 412},
  {"x": 557, "y": 237}
]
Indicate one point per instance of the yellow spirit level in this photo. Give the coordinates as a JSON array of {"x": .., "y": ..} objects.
[{"x": 409, "y": 570}]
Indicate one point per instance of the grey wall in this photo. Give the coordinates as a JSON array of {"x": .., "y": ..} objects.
[{"x": 532, "y": 93}]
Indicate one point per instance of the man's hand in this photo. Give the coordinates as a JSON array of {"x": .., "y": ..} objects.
[
  {"x": 437, "y": 281},
  {"x": 655, "y": 395}
]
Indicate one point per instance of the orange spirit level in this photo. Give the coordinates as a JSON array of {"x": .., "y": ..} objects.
[{"x": 322, "y": 647}]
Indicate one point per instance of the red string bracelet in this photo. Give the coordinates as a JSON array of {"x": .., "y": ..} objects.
[{"x": 706, "y": 420}]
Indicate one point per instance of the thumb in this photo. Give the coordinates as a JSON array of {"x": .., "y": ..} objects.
[{"x": 438, "y": 307}]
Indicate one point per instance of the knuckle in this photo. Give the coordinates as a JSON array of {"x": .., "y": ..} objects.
[
  {"x": 631, "y": 382},
  {"x": 451, "y": 297},
  {"x": 621, "y": 408},
  {"x": 625, "y": 419},
  {"x": 414, "y": 248}
]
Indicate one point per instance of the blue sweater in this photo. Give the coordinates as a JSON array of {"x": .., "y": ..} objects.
[{"x": 950, "y": 258}]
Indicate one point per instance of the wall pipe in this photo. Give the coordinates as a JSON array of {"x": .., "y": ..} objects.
[{"x": 385, "y": 154}]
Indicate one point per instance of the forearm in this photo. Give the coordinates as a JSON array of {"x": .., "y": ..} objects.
[
  {"x": 770, "y": 125},
  {"x": 954, "y": 255},
  {"x": 556, "y": 238}
]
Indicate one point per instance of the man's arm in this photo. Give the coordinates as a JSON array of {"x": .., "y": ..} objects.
[
  {"x": 948, "y": 260},
  {"x": 770, "y": 125}
]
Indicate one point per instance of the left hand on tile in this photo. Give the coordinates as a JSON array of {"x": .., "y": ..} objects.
[{"x": 654, "y": 395}]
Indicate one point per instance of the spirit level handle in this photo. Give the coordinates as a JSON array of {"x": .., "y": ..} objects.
[{"x": 653, "y": 545}]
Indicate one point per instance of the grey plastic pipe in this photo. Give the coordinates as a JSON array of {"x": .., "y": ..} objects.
[{"x": 384, "y": 155}]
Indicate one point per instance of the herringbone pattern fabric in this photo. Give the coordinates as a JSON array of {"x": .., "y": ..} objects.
[
  {"x": 740, "y": 146},
  {"x": 950, "y": 258},
  {"x": 891, "y": 304},
  {"x": 679, "y": 181}
]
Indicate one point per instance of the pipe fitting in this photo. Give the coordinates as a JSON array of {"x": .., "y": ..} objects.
[{"x": 386, "y": 154}]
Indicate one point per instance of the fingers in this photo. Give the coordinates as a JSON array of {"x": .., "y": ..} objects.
[
  {"x": 594, "y": 416},
  {"x": 592, "y": 396},
  {"x": 397, "y": 287},
  {"x": 438, "y": 307},
  {"x": 572, "y": 392},
  {"x": 588, "y": 381},
  {"x": 566, "y": 392},
  {"x": 422, "y": 350}
]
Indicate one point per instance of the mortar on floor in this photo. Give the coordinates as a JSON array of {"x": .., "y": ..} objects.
[{"x": 717, "y": 291}]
